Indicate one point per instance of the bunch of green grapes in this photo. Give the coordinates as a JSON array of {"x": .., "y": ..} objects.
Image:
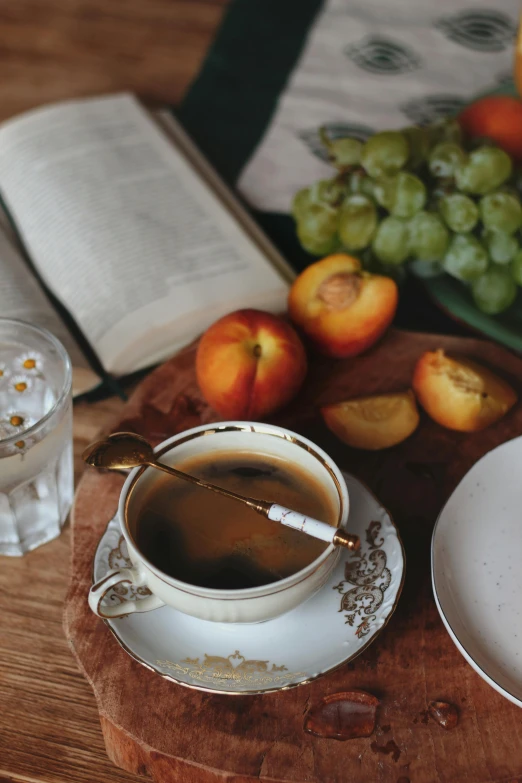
[{"x": 420, "y": 199}]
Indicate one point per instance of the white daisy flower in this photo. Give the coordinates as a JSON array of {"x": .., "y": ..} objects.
[
  {"x": 20, "y": 383},
  {"x": 18, "y": 421},
  {"x": 20, "y": 446},
  {"x": 30, "y": 361}
]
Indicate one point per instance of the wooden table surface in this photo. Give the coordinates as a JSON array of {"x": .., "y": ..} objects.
[{"x": 52, "y": 50}]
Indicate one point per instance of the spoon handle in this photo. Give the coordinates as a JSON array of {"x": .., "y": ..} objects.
[
  {"x": 313, "y": 527},
  {"x": 261, "y": 506},
  {"x": 273, "y": 511}
]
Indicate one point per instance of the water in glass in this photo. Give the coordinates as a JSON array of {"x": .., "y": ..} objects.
[{"x": 36, "y": 467}]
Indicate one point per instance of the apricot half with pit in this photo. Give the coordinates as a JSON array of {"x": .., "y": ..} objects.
[
  {"x": 373, "y": 423},
  {"x": 459, "y": 393},
  {"x": 342, "y": 308}
]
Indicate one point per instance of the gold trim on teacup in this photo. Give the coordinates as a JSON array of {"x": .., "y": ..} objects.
[
  {"x": 290, "y": 685},
  {"x": 264, "y": 430}
]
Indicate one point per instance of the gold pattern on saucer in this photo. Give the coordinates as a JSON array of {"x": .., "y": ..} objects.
[
  {"x": 370, "y": 578},
  {"x": 231, "y": 671}
]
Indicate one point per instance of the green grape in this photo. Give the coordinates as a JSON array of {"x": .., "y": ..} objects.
[
  {"x": 391, "y": 242},
  {"x": 329, "y": 192},
  {"x": 460, "y": 213},
  {"x": 360, "y": 182},
  {"x": 385, "y": 153},
  {"x": 502, "y": 247},
  {"x": 317, "y": 229},
  {"x": 384, "y": 191},
  {"x": 342, "y": 153},
  {"x": 486, "y": 169},
  {"x": 419, "y": 142},
  {"x": 516, "y": 268},
  {"x": 428, "y": 236},
  {"x": 426, "y": 269},
  {"x": 402, "y": 195},
  {"x": 466, "y": 259},
  {"x": 300, "y": 203},
  {"x": 494, "y": 291},
  {"x": 445, "y": 158},
  {"x": 372, "y": 264},
  {"x": 501, "y": 212},
  {"x": 446, "y": 130},
  {"x": 357, "y": 222},
  {"x": 410, "y": 195},
  {"x": 317, "y": 246},
  {"x": 325, "y": 192}
]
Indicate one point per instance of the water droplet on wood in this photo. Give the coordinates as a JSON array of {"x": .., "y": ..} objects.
[
  {"x": 444, "y": 713},
  {"x": 343, "y": 716}
]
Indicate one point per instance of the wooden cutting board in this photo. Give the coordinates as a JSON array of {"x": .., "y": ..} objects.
[{"x": 172, "y": 733}]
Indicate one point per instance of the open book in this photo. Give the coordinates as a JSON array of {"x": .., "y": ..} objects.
[{"x": 129, "y": 229}]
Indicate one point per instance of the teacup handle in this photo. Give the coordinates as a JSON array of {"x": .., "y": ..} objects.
[{"x": 134, "y": 577}]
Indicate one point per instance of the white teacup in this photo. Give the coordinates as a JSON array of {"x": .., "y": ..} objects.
[{"x": 250, "y": 605}]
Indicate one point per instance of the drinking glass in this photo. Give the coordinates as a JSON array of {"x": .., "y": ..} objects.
[{"x": 36, "y": 463}]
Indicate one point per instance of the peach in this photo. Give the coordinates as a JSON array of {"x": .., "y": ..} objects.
[
  {"x": 249, "y": 364},
  {"x": 459, "y": 393},
  {"x": 342, "y": 308},
  {"x": 496, "y": 117},
  {"x": 373, "y": 423}
]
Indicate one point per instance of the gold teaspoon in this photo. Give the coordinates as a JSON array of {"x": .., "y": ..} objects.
[{"x": 125, "y": 450}]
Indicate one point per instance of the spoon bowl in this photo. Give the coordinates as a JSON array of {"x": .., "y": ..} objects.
[{"x": 119, "y": 451}]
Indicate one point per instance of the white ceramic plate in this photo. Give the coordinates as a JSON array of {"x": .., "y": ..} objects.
[
  {"x": 330, "y": 629},
  {"x": 477, "y": 576}
]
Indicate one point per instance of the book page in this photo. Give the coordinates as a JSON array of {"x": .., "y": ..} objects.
[
  {"x": 21, "y": 297},
  {"x": 125, "y": 232}
]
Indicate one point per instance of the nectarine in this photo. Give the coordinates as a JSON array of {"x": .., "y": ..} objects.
[
  {"x": 342, "y": 308},
  {"x": 460, "y": 394},
  {"x": 496, "y": 117},
  {"x": 373, "y": 423},
  {"x": 250, "y": 363}
]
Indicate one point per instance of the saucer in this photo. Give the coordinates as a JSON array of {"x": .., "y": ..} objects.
[
  {"x": 476, "y": 574},
  {"x": 328, "y": 630}
]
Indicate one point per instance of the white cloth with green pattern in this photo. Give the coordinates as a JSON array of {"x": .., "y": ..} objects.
[{"x": 375, "y": 64}]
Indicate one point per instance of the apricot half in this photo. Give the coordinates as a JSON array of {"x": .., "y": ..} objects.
[
  {"x": 373, "y": 423},
  {"x": 460, "y": 394},
  {"x": 342, "y": 308}
]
